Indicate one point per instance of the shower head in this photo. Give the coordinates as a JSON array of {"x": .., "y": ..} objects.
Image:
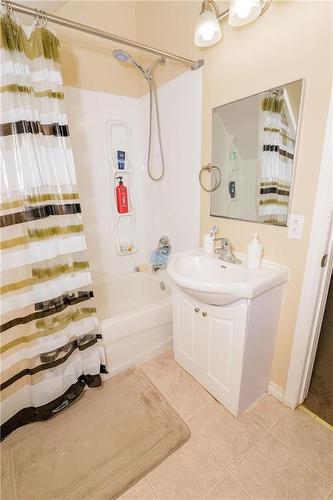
[{"x": 122, "y": 55}]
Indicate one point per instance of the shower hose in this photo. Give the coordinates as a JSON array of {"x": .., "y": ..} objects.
[{"x": 153, "y": 102}]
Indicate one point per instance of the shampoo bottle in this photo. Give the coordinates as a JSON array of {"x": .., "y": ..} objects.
[
  {"x": 254, "y": 253},
  {"x": 122, "y": 198}
]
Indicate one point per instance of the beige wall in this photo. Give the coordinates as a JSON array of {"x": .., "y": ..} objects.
[
  {"x": 291, "y": 40},
  {"x": 87, "y": 61}
]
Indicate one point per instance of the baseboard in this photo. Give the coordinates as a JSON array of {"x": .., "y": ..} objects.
[{"x": 276, "y": 391}]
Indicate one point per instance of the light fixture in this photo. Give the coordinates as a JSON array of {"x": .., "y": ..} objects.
[
  {"x": 208, "y": 29},
  {"x": 241, "y": 12}
]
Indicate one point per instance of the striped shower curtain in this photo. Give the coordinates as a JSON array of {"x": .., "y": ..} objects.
[
  {"x": 51, "y": 347},
  {"x": 277, "y": 155}
]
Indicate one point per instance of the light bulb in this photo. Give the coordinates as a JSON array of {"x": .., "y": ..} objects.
[
  {"x": 207, "y": 30},
  {"x": 242, "y": 12},
  {"x": 243, "y": 9}
]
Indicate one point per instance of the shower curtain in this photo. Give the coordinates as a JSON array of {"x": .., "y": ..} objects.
[
  {"x": 277, "y": 154},
  {"x": 51, "y": 347}
]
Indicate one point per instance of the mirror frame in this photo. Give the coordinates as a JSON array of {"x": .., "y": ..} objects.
[{"x": 292, "y": 185}]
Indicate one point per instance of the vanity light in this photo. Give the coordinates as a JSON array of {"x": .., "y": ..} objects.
[
  {"x": 241, "y": 12},
  {"x": 208, "y": 29}
]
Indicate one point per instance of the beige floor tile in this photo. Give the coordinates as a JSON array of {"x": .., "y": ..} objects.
[
  {"x": 227, "y": 489},
  {"x": 188, "y": 474},
  {"x": 6, "y": 484},
  {"x": 140, "y": 491},
  {"x": 267, "y": 410},
  {"x": 330, "y": 496},
  {"x": 182, "y": 390},
  {"x": 161, "y": 366},
  {"x": 228, "y": 437},
  {"x": 309, "y": 439},
  {"x": 272, "y": 472}
]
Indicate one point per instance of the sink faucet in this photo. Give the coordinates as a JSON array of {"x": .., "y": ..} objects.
[{"x": 225, "y": 251}]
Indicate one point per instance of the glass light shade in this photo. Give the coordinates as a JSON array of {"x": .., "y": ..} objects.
[
  {"x": 244, "y": 11},
  {"x": 207, "y": 30}
]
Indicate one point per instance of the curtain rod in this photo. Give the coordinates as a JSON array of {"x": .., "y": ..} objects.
[{"x": 22, "y": 9}]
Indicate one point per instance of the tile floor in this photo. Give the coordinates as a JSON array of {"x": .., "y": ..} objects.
[{"x": 268, "y": 453}]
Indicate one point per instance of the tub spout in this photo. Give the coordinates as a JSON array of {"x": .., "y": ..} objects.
[{"x": 156, "y": 267}]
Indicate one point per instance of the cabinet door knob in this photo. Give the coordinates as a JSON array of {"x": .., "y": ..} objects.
[
  {"x": 204, "y": 314},
  {"x": 196, "y": 309}
]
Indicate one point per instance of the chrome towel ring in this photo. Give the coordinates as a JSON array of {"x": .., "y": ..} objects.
[{"x": 216, "y": 172}]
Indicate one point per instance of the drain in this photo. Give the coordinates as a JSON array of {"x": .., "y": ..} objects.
[{"x": 162, "y": 285}]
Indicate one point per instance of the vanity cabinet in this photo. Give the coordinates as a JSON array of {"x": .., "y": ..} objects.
[{"x": 228, "y": 348}]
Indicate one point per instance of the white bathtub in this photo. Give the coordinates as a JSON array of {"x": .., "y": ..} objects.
[{"x": 136, "y": 318}]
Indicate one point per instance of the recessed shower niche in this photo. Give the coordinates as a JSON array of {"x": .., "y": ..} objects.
[{"x": 121, "y": 164}]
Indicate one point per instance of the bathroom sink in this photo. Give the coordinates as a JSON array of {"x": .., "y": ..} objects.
[{"x": 213, "y": 281}]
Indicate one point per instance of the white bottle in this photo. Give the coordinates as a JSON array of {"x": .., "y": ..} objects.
[
  {"x": 208, "y": 244},
  {"x": 254, "y": 253}
]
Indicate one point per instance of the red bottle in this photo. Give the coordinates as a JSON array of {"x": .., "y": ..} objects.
[{"x": 122, "y": 198}]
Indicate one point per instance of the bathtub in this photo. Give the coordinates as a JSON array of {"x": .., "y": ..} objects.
[{"x": 135, "y": 312}]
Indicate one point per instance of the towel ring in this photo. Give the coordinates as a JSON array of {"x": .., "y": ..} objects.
[{"x": 217, "y": 177}]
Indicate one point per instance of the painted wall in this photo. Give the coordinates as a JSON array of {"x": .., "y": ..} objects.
[
  {"x": 275, "y": 49},
  {"x": 87, "y": 61},
  {"x": 292, "y": 40}
]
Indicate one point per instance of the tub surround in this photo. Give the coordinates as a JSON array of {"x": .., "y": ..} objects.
[{"x": 171, "y": 206}]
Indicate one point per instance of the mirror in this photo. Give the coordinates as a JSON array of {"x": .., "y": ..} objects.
[{"x": 253, "y": 145}]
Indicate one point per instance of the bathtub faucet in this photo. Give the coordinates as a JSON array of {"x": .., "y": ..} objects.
[
  {"x": 156, "y": 267},
  {"x": 159, "y": 258}
]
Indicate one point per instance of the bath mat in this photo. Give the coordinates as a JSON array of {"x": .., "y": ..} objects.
[{"x": 96, "y": 449}]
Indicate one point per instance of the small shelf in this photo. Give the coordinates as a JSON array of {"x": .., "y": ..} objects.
[{"x": 119, "y": 139}]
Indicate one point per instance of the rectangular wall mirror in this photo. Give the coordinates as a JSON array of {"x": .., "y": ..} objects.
[{"x": 253, "y": 145}]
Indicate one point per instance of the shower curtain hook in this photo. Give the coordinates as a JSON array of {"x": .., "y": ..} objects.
[
  {"x": 45, "y": 19},
  {"x": 36, "y": 20},
  {"x": 7, "y": 6}
]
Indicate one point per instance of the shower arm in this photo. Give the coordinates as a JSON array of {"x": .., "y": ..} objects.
[{"x": 61, "y": 21}]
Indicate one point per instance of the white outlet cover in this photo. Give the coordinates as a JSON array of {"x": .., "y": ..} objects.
[{"x": 295, "y": 226}]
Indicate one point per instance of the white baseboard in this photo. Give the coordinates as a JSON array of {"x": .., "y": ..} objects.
[{"x": 276, "y": 391}]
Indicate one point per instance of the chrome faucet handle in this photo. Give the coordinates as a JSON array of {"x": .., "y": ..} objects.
[
  {"x": 225, "y": 251},
  {"x": 224, "y": 242}
]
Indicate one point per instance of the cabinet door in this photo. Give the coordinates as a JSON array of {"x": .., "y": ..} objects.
[
  {"x": 222, "y": 356},
  {"x": 186, "y": 332}
]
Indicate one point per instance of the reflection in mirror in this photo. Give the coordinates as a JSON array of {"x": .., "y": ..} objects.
[{"x": 254, "y": 146}]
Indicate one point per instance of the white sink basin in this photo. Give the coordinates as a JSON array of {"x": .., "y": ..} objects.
[{"x": 213, "y": 281}]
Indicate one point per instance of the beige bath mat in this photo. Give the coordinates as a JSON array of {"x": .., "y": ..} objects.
[{"x": 96, "y": 449}]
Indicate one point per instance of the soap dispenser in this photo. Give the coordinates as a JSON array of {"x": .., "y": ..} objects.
[{"x": 254, "y": 253}]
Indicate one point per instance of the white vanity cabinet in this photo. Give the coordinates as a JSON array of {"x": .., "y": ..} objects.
[{"x": 228, "y": 348}]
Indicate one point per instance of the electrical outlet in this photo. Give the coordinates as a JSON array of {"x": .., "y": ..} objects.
[{"x": 295, "y": 226}]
